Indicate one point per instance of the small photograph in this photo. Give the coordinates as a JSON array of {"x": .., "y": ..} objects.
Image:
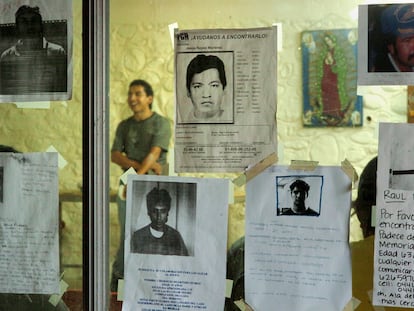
[
  {"x": 299, "y": 195},
  {"x": 205, "y": 88},
  {"x": 163, "y": 218},
  {"x": 330, "y": 78},
  {"x": 33, "y": 49},
  {"x": 390, "y": 37}
]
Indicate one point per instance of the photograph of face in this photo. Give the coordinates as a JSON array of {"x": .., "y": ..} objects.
[
  {"x": 33, "y": 51},
  {"x": 163, "y": 218},
  {"x": 299, "y": 195},
  {"x": 206, "y": 93},
  {"x": 391, "y": 38},
  {"x": 207, "y": 87}
]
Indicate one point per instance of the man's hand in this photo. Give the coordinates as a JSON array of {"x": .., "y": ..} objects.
[{"x": 157, "y": 168}]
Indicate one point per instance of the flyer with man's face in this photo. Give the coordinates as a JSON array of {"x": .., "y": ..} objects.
[{"x": 225, "y": 98}]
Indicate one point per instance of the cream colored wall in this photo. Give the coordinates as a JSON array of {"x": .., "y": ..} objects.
[{"x": 141, "y": 48}]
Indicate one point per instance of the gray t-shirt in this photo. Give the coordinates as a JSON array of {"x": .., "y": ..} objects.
[{"x": 136, "y": 138}]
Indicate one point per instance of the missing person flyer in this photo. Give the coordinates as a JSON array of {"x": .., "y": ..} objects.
[
  {"x": 394, "y": 231},
  {"x": 175, "y": 243},
  {"x": 225, "y": 83},
  {"x": 297, "y": 254}
]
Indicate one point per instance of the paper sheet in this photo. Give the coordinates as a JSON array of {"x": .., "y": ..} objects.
[
  {"x": 225, "y": 115},
  {"x": 298, "y": 262},
  {"x": 394, "y": 237},
  {"x": 36, "y": 75},
  {"x": 29, "y": 228},
  {"x": 161, "y": 273}
]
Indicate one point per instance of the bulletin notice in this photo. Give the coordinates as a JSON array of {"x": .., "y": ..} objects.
[
  {"x": 29, "y": 223},
  {"x": 394, "y": 232},
  {"x": 231, "y": 124}
]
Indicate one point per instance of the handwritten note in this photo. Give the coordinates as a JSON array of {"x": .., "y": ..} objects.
[
  {"x": 394, "y": 233},
  {"x": 29, "y": 241}
]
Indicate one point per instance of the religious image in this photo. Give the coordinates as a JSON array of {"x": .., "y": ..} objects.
[{"x": 330, "y": 78}]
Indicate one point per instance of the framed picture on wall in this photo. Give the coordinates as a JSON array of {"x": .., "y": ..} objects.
[{"x": 330, "y": 78}]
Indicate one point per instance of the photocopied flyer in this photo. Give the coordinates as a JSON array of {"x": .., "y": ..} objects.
[
  {"x": 175, "y": 243},
  {"x": 297, "y": 252},
  {"x": 29, "y": 223},
  {"x": 225, "y": 98},
  {"x": 394, "y": 231}
]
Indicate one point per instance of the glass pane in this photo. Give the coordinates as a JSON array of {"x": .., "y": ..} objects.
[
  {"x": 141, "y": 48},
  {"x": 45, "y": 122}
]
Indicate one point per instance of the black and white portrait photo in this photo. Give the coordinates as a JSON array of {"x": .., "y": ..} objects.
[
  {"x": 205, "y": 88},
  {"x": 299, "y": 195},
  {"x": 35, "y": 50},
  {"x": 163, "y": 218}
]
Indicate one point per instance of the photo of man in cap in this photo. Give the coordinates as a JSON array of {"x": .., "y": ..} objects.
[{"x": 391, "y": 38}]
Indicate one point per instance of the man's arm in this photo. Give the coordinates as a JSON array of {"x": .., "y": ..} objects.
[
  {"x": 123, "y": 161},
  {"x": 150, "y": 161}
]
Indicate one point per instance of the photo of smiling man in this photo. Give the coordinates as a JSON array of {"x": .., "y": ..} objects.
[{"x": 207, "y": 87}]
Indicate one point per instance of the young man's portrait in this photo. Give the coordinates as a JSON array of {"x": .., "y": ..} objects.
[
  {"x": 299, "y": 195},
  {"x": 163, "y": 218},
  {"x": 33, "y": 50},
  {"x": 205, "y": 88}
]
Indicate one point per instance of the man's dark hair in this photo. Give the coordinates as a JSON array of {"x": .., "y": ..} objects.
[
  {"x": 203, "y": 62},
  {"x": 300, "y": 184},
  {"x": 158, "y": 196},
  {"x": 28, "y": 9},
  {"x": 147, "y": 87}
]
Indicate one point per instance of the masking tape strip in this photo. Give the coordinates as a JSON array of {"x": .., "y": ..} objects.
[
  {"x": 352, "y": 304},
  {"x": 120, "y": 295},
  {"x": 303, "y": 165},
  {"x": 261, "y": 166},
  {"x": 229, "y": 288},
  {"x": 242, "y": 305},
  {"x": 55, "y": 298},
  {"x": 349, "y": 170},
  {"x": 255, "y": 170}
]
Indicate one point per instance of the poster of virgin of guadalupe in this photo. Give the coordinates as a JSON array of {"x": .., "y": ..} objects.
[
  {"x": 35, "y": 50},
  {"x": 330, "y": 78}
]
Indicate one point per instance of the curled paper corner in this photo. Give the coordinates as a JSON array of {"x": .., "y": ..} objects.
[
  {"x": 61, "y": 160},
  {"x": 124, "y": 176},
  {"x": 303, "y": 165},
  {"x": 350, "y": 171}
]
